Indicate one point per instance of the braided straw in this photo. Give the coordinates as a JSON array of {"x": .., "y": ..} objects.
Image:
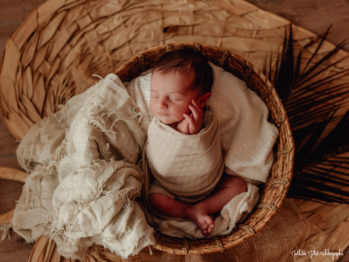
[{"x": 54, "y": 53}]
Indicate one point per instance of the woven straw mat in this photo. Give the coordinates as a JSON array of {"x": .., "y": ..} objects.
[{"x": 54, "y": 53}]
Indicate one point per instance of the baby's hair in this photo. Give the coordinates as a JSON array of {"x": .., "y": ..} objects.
[{"x": 184, "y": 60}]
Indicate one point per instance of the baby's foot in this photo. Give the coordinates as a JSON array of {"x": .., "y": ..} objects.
[{"x": 199, "y": 216}]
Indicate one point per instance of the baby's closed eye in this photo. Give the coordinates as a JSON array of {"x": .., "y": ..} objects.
[
  {"x": 176, "y": 98},
  {"x": 154, "y": 94}
]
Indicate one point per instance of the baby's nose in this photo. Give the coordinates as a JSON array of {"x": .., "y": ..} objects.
[{"x": 162, "y": 105}]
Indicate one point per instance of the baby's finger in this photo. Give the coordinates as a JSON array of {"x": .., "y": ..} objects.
[
  {"x": 190, "y": 120},
  {"x": 187, "y": 126},
  {"x": 183, "y": 126},
  {"x": 195, "y": 111},
  {"x": 195, "y": 104}
]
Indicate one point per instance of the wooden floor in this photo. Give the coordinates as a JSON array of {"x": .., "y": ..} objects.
[{"x": 315, "y": 15}]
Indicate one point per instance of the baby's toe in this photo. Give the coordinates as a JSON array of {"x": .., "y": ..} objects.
[
  {"x": 209, "y": 228},
  {"x": 208, "y": 225}
]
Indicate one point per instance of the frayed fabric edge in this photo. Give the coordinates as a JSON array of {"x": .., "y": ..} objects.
[{"x": 5, "y": 231}]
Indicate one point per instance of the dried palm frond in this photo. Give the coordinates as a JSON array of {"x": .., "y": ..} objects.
[
  {"x": 314, "y": 95},
  {"x": 322, "y": 164}
]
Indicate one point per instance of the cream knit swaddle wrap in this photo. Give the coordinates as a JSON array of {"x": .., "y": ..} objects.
[{"x": 189, "y": 166}]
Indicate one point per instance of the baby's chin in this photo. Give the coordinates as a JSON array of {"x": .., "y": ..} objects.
[{"x": 167, "y": 120}]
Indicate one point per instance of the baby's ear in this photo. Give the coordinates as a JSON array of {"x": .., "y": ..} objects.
[{"x": 203, "y": 99}]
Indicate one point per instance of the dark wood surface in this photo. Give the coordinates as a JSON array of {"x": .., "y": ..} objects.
[{"x": 315, "y": 15}]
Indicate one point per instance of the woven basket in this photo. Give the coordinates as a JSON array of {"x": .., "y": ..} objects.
[
  {"x": 278, "y": 183},
  {"x": 36, "y": 77}
]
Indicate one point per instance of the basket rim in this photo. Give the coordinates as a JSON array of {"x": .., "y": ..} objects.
[{"x": 220, "y": 243}]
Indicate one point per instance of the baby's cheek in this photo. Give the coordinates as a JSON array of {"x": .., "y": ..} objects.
[
  {"x": 185, "y": 109},
  {"x": 176, "y": 113},
  {"x": 152, "y": 107},
  {"x": 178, "y": 110}
]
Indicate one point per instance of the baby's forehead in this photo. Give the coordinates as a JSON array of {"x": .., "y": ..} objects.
[
  {"x": 184, "y": 79},
  {"x": 184, "y": 72},
  {"x": 172, "y": 82}
]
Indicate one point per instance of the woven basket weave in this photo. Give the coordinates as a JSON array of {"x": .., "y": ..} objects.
[
  {"x": 36, "y": 77},
  {"x": 278, "y": 183}
]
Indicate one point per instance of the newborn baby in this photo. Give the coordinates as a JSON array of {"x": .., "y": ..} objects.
[{"x": 183, "y": 149}]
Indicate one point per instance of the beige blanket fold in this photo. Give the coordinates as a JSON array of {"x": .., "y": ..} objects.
[
  {"x": 84, "y": 178},
  {"x": 188, "y": 166}
]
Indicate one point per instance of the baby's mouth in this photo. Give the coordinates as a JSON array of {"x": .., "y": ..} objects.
[{"x": 162, "y": 114}]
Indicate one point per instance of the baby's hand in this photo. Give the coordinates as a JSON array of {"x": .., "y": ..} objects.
[{"x": 192, "y": 122}]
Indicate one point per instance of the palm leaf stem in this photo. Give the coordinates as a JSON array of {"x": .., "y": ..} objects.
[
  {"x": 318, "y": 83},
  {"x": 315, "y": 106},
  {"x": 311, "y": 183},
  {"x": 323, "y": 69},
  {"x": 314, "y": 54},
  {"x": 307, "y": 75}
]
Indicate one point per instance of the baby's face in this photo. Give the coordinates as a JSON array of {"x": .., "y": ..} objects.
[{"x": 170, "y": 95}]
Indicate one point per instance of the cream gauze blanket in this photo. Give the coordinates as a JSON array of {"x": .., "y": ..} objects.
[
  {"x": 83, "y": 175},
  {"x": 188, "y": 166}
]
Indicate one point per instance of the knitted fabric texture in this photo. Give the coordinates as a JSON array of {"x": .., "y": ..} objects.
[{"x": 188, "y": 166}]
